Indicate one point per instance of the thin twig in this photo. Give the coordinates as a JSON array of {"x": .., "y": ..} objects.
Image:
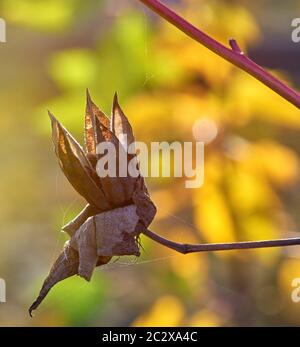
[
  {"x": 233, "y": 55},
  {"x": 235, "y": 46},
  {"x": 185, "y": 248}
]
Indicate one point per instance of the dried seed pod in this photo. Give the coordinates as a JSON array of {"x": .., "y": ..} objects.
[{"x": 118, "y": 209}]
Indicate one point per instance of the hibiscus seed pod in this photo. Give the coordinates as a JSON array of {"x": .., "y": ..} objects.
[{"x": 119, "y": 208}]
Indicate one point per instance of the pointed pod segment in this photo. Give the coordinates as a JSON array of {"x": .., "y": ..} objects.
[
  {"x": 119, "y": 188},
  {"x": 93, "y": 118},
  {"x": 120, "y": 125},
  {"x": 65, "y": 266},
  {"x": 76, "y": 166}
]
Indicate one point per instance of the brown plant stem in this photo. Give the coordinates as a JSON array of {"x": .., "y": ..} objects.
[
  {"x": 233, "y": 55},
  {"x": 185, "y": 248}
]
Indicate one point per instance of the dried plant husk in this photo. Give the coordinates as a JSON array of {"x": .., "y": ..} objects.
[
  {"x": 118, "y": 190},
  {"x": 118, "y": 209}
]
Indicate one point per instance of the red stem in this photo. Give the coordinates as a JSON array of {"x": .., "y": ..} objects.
[{"x": 234, "y": 56}]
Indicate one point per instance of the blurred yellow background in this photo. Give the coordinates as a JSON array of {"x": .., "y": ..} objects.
[{"x": 167, "y": 84}]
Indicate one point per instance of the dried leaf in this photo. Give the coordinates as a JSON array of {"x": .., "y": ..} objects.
[{"x": 76, "y": 167}]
